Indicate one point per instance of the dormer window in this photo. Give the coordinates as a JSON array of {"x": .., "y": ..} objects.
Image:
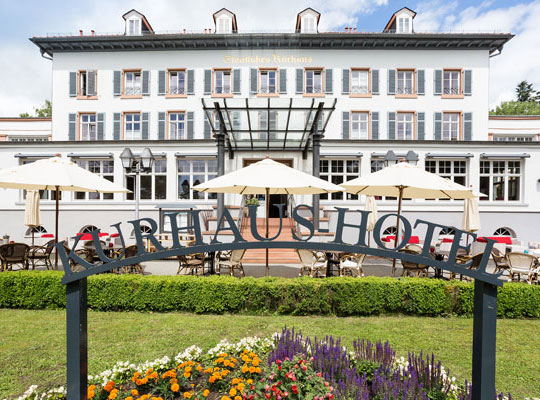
[
  {"x": 401, "y": 21},
  {"x": 309, "y": 24},
  {"x": 136, "y": 24},
  {"x": 307, "y": 21},
  {"x": 133, "y": 26},
  {"x": 404, "y": 24},
  {"x": 225, "y": 22},
  {"x": 224, "y": 25}
]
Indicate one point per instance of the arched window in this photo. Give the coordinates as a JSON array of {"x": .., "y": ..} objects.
[
  {"x": 504, "y": 231},
  {"x": 391, "y": 230},
  {"x": 88, "y": 229},
  {"x": 447, "y": 231},
  {"x": 144, "y": 229},
  {"x": 36, "y": 230}
]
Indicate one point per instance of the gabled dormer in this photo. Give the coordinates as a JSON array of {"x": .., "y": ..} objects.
[
  {"x": 225, "y": 21},
  {"x": 401, "y": 21},
  {"x": 307, "y": 21},
  {"x": 136, "y": 24}
]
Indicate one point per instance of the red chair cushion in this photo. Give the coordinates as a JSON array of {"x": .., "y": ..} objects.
[
  {"x": 115, "y": 235},
  {"x": 391, "y": 238},
  {"x": 47, "y": 235},
  {"x": 498, "y": 239},
  {"x": 448, "y": 240}
]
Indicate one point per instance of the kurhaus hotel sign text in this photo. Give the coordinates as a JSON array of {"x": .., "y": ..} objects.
[{"x": 274, "y": 58}]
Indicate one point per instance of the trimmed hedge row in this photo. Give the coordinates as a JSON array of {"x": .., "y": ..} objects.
[{"x": 302, "y": 296}]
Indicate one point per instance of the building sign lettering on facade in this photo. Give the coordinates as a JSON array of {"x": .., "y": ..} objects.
[{"x": 274, "y": 58}]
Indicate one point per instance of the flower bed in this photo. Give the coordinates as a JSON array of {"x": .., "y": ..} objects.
[{"x": 287, "y": 366}]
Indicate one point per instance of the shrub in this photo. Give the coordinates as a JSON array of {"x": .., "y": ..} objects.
[{"x": 302, "y": 296}]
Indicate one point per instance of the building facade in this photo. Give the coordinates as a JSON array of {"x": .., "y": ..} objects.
[{"x": 422, "y": 96}]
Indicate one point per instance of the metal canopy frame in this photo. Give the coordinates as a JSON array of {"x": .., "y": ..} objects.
[{"x": 223, "y": 110}]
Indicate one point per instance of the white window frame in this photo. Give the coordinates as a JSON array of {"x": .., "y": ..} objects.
[
  {"x": 405, "y": 84},
  {"x": 87, "y": 126},
  {"x": 194, "y": 170},
  {"x": 134, "y": 26},
  {"x": 130, "y": 121},
  {"x": 177, "y": 125},
  {"x": 177, "y": 82},
  {"x": 83, "y": 83},
  {"x": 451, "y": 126},
  {"x": 132, "y": 83},
  {"x": 339, "y": 170},
  {"x": 104, "y": 168},
  {"x": 359, "y": 125},
  {"x": 516, "y": 138},
  {"x": 159, "y": 169},
  {"x": 314, "y": 81},
  {"x": 263, "y": 124},
  {"x": 309, "y": 24},
  {"x": 224, "y": 24},
  {"x": 404, "y": 24},
  {"x": 494, "y": 174},
  {"x": 225, "y": 79},
  {"x": 451, "y": 82},
  {"x": 453, "y": 169},
  {"x": 267, "y": 83},
  {"x": 405, "y": 120},
  {"x": 359, "y": 82}
]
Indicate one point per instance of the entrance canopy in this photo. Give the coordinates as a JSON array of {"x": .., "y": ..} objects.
[{"x": 268, "y": 123}]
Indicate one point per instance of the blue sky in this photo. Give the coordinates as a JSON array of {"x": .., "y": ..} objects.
[{"x": 21, "y": 20}]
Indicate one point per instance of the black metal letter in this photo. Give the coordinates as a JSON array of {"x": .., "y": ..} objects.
[{"x": 362, "y": 228}]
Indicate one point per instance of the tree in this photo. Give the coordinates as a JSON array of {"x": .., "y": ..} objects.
[
  {"x": 45, "y": 111},
  {"x": 516, "y": 108},
  {"x": 24, "y": 115},
  {"x": 525, "y": 92}
]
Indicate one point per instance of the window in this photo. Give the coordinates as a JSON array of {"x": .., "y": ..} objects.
[
  {"x": 88, "y": 127},
  {"x": 514, "y": 138},
  {"x": 132, "y": 126},
  {"x": 359, "y": 125},
  {"x": 39, "y": 230},
  {"x": 405, "y": 126},
  {"x": 450, "y": 126},
  {"x": 313, "y": 81},
  {"x": 88, "y": 229},
  {"x": 28, "y": 138},
  {"x": 192, "y": 173},
  {"x": 455, "y": 170},
  {"x": 309, "y": 24},
  {"x": 177, "y": 125},
  {"x": 134, "y": 26},
  {"x": 83, "y": 80},
  {"x": 103, "y": 168},
  {"x": 132, "y": 83},
  {"x": 390, "y": 231},
  {"x": 222, "y": 82},
  {"x": 359, "y": 82},
  {"x": 452, "y": 83},
  {"x": 504, "y": 232},
  {"x": 500, "y": 180},
  {"x": 403, "y": 25},
  {"x": 376, "y": 165},
  {"x": 224, "y": 24},
  {"x": 339, "y": 171},
  {"x": 405, "y": 82},
  {"x": 267, "y": 81},
  {"x": 153, "y": 184},
  {"x": 263, "y": 124},
  {"x": 177, "y": 82}
]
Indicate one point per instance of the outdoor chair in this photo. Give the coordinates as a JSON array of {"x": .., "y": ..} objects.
[
  {"x": 501, "y": 263},
  {"x": 411, "y": 268},
  {"x": 131, "y": 251},
  {"x": 191, "y": 265},
  {"x": 521, "y": 264},
  {"x": 474, "y": 261},
  {"x": 315, "y": 263},
  {"x": 234, "y": 263},
  {"x": 40, "y": 256},
  {"x": 414, "y": 247},
  {"x": 351, "y": 264},
  {"x": 83, "y": 253},
  {"x": 13, "y": 254}
]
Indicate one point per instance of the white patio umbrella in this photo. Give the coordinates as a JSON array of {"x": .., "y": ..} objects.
[
  {"x": 56, "y": 174},
  {"x": 268, "y": 177},
  {"x": 31, "y": 211},
  {"x": 471, "y": 215},
  {"x": 371, "y": 206},
  {"x": 403, "y": 180}
]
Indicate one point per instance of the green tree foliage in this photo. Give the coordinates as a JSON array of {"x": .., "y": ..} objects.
[
  {"x": 517, "y": 108},
  {"x": 45, "y": 111},
  {"x": 525, "y": 92},
  {"x": 24, "y": 115}
]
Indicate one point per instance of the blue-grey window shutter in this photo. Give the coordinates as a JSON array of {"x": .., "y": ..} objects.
[
  {"x": 467, "y": 126},
  {"x": 329, "y": 81},
  {"x": 437, "y": 125},
  {"x": 421, "y": 126},
  {"x": 207, "y": 128},
  {"x": 375, "y": 125},
  {"x": 437, "y": 82},
  {"x": 162, "y": 75},
  {"x": 283, "y": 80},
  {"x": 391, "y": 125},
  {"x": 91, "y": 82},
  {"x": 374, "y": 81},
  {"x": 190, "y": 127},
  {"x": 236, "y": 81},
  {"x": 299, "y": 81},
  {"x": 72, "y": 128},
  {"x": 190, "y": 81},
  {"x": 207, "y": 81},
  {"x": 101, "y": 126},
  {"x": 391, "y": 81},
  {"x": 253, "y": 81},
  {"x": 420, "y": 82},
  {"x": 146, "y": 83},
  {"x": 72, "y": 84},
  {"x": 117, "y": 120},
  {"x": 345, "y": 81},
  {"x": 467, "y": 84},
  {"x": 161, "y": 125},
  {"x": 117, "y": 84},
  {"x": 345, "y": 125},
  {"x": 145, "y": 123}
]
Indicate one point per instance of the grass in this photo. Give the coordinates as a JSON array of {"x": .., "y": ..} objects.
[{"x": 32, "y": 343}]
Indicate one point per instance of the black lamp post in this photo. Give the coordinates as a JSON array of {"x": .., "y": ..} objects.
[{"x": 136, "y": 165}]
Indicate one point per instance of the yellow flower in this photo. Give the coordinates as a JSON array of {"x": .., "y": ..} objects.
[
  {"x": 249, "y": 381},
  {"x": 251, "y": 370},
  {"x": 129, "y": 398},
  {"x": 206, "y": 392},
  {"x": 91, "y": 394},
  {"x": 188, "y": 369},
  {"x": 187, "y": 395},
  {"x": 225, "y": 398},
  {"x": 258, "y": 370},
  {"x": 187, "y": 374},
  {"x": 232, "y": 392},
  {"x": 226, "y": 363},
  {"x": 175, "y": 387},
  {"x": 113, "y": 394},
  {"x": 238, "y": 398},
  {"x": 245, "y": 369},
  {"x": 134, "y": 392},
  {"x": 235, "y": 381},
  {"x": 255, "y": 362}
]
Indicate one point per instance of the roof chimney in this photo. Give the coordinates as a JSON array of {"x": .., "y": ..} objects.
[
  {"x": 80, "y": 32},
  {"x": 93, "y": 32}
]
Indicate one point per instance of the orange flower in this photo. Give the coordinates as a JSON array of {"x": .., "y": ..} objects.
[
  {"x": 113, "y": 394},
  {"x": 256, "y": 362},
  {"x": 91, "y": 394},
  {"x": 199, "y": 368},
  {"x": 187, "y": 395},
  {"x": 187, "y": 374},
  {"x": 134, "y": 392},
  {"x": 238, "y": 398},
  {"x": 232, "y": 392},
  {"x": 129, "y": 398},
  {"x": 225, "y": 398},
  {"x": 109, "y": 386},
  {"x": 245, "y": 369},
  {"x": 251, "y": 370},
  {"x": 206, "y": 392},
  {"x": 175, "y": 387},
  {"x": 144, "y": 397},
  {"x": 211, "y": 379},
  {"x": 258, "y": 370}
]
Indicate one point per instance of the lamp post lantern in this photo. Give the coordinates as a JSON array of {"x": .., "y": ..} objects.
[{"x": 136, "y": 165}]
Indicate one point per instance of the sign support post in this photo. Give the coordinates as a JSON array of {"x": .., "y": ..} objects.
[{"x": 77, "y": 340}]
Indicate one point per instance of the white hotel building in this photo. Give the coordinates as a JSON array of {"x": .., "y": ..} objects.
[{"x": 423, "y": 96}]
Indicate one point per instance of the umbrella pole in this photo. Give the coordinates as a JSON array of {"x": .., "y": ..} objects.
[
  {"x": 397, "y": 228},
  {"x": 267, "y": 198},
  {"x": 57, "y": 192}
]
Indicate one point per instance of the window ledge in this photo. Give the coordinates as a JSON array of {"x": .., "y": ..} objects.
[
  {"x": 499, "y": 203},
  {"x": 221, "y": 95},
  {"x": 314, "y": 95},
  {"x": 268, "y": 95},
  {"x": 87, "y": 97},
  {"x": 367, "y": 95},
  {"x": 452, "y": 96},
  {"x": 406, "y": 96},
  {"x": 176, "y": 96},
  {"x": 131, "y": 97}
]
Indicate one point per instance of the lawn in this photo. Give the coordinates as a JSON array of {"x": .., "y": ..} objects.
[{"x": 32, "y": 343}]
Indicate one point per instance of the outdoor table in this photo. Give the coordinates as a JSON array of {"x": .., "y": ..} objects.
[{"x": 333, "y": 258}]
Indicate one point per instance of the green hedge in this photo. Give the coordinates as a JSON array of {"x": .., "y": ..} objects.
[{"x": 302, "y": 296}]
